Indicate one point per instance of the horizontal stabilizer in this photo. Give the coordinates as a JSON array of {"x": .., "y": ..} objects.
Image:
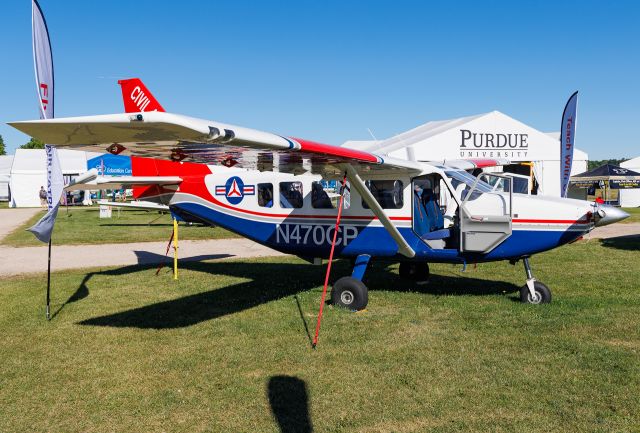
[
  {"x": 91, "y": 180},
  {"x": 138, "y": 204}
]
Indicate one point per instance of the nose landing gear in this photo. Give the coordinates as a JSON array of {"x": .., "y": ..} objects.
[{"x": 534, "y": 292}]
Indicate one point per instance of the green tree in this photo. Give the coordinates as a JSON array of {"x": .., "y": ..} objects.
[
  {"x": 34, "y": 143},
  {"x": 3, "y": 150},
  {"x": 597, "y": 163}
]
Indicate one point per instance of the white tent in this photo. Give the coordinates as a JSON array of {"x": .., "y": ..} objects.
[
  {"x": 630, "y": 197},
  {"x": 489, "y": 135},
  {"x": 5, "y": 174},
  {"x": 28, "y": 173}
]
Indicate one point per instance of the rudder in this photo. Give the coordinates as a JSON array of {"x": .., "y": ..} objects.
[{"x": 137, "y": 98}]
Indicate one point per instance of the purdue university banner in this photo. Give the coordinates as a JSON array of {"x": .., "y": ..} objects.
[{"x": 567, "y": 142}]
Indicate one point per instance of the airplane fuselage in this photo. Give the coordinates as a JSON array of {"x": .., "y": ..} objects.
[{"x": 294, "y": 221}]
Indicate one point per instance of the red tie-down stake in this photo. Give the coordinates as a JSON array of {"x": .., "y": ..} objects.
[{"x": 326, "y": 277}]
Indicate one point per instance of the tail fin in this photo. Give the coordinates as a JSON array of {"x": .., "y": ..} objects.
[{"x": 137, "y": 98}]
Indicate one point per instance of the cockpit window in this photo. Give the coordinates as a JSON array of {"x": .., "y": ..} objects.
[
  {"x": 320, "y": 198},
  {"x": 291, "y": 195},
  {"x": 265, "y": 194},
  {"x": 388, "y": 193}
]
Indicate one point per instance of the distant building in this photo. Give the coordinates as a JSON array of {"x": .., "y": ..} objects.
[
  {"x": 28, "y": 173},
  {"x": 491, "y": 135},
  {"x": 630, "y": 197},
  {"x": 5, "y": 174}
]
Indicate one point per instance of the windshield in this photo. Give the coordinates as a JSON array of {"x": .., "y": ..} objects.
[
  {"x": 461, "y": 177},
  {"x": 520, "y": 185}
]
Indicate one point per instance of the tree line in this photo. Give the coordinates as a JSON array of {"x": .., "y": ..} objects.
[
  {"x": 598, "y": 162},
  {"x": 33, "y": 143}
]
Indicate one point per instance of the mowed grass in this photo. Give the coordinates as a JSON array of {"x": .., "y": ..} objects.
[
  {"x": 634, "y": 214},
  {"x": 82, "y": 225},
  {"x": 226, "y": 348}
]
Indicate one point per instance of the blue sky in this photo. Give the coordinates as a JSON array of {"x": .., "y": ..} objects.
[{"x": 328, "y": 70}]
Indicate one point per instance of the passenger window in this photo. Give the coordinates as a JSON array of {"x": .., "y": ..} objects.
[
  {"x": 265, "y": 194},
  {"x": 319, "y": 196},
  {"x": 291, "y": 195},
  {"x": 388, "y": 193}
]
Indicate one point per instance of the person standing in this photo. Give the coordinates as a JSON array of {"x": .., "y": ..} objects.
[{"x": 43, "y": 197}]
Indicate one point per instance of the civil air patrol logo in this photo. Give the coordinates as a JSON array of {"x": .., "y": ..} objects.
[{"x": 235, "y": 190}]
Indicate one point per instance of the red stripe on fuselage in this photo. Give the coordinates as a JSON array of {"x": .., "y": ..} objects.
[
  {"x": 300, "y": 216},
  {"x": 531, "y": 221}
]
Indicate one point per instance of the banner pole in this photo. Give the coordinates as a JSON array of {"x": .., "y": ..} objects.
[{"x": 49, "y": 281}]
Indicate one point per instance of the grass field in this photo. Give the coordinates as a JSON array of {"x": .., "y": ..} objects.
[
  {"x": 226, "y": 348},
  {"x": 82, "y": 225},
  {"x": 634, "y": 213}
]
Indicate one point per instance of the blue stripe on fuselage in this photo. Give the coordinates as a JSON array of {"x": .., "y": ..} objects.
[{"x": 313, "y": 239}]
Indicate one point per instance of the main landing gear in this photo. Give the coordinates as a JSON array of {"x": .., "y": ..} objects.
[
  {"x": 416, "y": 271},
  {"x": 350, "y": 292},
  {"x": 534, "y": 292}
]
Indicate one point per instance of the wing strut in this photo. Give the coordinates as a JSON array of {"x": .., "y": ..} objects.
[{"x": 357, "y": 182}]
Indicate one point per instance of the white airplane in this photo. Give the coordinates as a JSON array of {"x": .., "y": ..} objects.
[{"x": 267, "y": 187}]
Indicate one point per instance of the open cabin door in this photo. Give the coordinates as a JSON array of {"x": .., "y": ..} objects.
[{"x": 485, "y": 214}]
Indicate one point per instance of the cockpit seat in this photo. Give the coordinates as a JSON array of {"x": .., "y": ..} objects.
[
  {"x": 434, "y": 214},
  {"x": 436, "y": 234}
]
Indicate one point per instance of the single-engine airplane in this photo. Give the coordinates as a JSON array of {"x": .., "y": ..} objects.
[{"x": 268, "y": 188}]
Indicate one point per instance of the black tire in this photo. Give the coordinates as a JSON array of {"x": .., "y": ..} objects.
[
  {"x": 350, "y": 293},
  {"x": 416, "y": 271},
  {"x": 543, "y": 294}
]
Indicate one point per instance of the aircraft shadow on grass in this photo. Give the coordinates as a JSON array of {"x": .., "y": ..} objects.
[
  {"x": 145, "y": 258},
  {"x": 268, "y": 282},
  {"x": 289, "y": 401},
  {"x": 628, "y": 243}
]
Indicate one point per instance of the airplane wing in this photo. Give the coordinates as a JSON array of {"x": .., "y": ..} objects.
[
  {"x": 91, "y": 180},
  {"x": 176, "y": 137},
  {"x": 170, "y": 136}
]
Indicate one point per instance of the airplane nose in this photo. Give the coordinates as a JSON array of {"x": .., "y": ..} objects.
[{"x": 606, "y": 215}]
